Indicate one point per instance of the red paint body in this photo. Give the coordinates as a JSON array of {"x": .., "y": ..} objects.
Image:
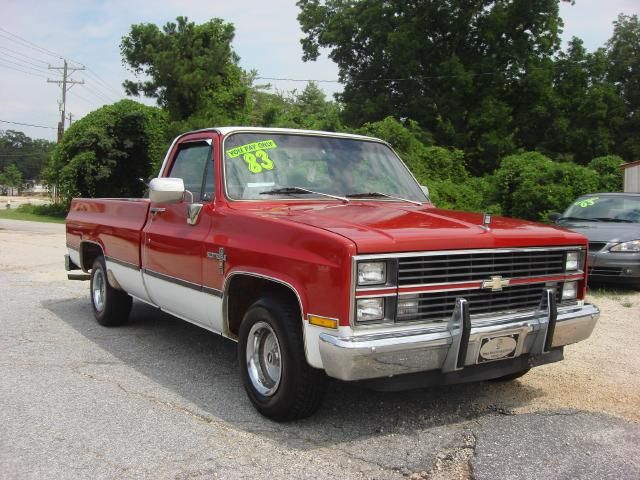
[{"x": 307, "y": 244}]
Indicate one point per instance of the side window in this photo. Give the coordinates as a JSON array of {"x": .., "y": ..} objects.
[{"x": 194, "y": 165}]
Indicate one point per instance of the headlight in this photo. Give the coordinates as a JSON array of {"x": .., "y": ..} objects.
[
  {"x": 569, "y": 291},
  {"x": 369, "y": 310},
  {"x": 573, "y": 261},
  {"x": 408, "y": 305},
  {"x": 627, "y": 247},
  {"x": 372, "y": 273}
]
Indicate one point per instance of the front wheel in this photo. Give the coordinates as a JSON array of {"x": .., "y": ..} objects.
[
  {"x": 276, "y": 376},
  {"x": 111, "y": 307}
]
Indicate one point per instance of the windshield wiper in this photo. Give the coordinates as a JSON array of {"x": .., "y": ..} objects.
[
  {"x": 609, "y": 219},
  {"x": 580, "y": 218},
  {"x": 294, "y": 190},
  {"x": 378, "y": 194}
]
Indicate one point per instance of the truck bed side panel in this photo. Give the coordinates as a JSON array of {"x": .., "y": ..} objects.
[{"x": 115, "y": 224}]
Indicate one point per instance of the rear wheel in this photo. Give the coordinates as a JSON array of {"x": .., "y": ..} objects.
[
  {"x": 274, "y": 370},
  {"x": 111, "y": 307}
]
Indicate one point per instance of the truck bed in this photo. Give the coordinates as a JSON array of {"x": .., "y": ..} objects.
[{"x": 114, "y": 223}]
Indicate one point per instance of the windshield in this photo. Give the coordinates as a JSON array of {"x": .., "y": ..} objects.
[
  {"x": 618, "y": 208},
  {"x": 264, "y": 166}
]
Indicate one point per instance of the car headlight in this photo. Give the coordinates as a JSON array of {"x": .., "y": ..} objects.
[
  {"x": 369, "y": 310},
  {"x": 372, "y": 273},
  {"x": 572, "y": 262},
  {"x": 627, "y": 247},
  {"x": 569, "y": 291}
]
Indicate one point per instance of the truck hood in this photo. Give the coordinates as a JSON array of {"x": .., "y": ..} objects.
[{"x": 381, "y": 227}]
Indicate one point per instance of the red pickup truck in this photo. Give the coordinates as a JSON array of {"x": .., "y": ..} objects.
[{"x": 322, "y": 257}]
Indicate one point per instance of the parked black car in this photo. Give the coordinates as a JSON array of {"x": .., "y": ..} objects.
[{"x": 611, "y": 222}]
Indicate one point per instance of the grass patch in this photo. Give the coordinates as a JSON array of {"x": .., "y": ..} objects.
[{"x": 36, "y": 213}]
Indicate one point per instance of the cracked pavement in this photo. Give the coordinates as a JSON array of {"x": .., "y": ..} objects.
[{"x": 162, "y": 399}]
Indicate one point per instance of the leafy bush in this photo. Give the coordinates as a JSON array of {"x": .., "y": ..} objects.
[
  {"x": 51, "y": 210},
  {"x": 530, "y": 185},
  {"x": 106, "y": 152},
  {"x": 610, "y": 175},
  {"x": 476, "y": 194}
]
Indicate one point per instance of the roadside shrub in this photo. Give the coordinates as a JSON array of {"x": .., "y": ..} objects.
[
  {"x": 610, "y": 175},
  {"x": 50, "y": 210},
  {"x": 530, "y": 185},
  {"x": 475, "y": 194},
  {"x": 105, "y": 153}
]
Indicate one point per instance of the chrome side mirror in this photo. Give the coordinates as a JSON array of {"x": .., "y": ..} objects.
[
  {"x": 425, "y": 190},
  {"x": 166, "y": 190}
]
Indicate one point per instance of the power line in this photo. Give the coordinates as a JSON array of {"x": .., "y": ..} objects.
[
  {"x": 22, "y": 66},
  {"x": 373, "y": 80},
  {"x": 23, "y": 61},
  {"x": 22, "y": 71},
  {"x": 103, "y": 97},
  {"x": 108, "y": 87},
  {"x": 23, "y": 55},
  {"x": 27, "y": 124},
  {"x": 26, "y": 43}
]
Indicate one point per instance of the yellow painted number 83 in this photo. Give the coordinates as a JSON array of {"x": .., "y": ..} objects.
[{"x": 258, "y": 162}]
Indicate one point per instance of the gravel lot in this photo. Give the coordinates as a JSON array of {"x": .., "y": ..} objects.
[{"x": 161, "y": 398}]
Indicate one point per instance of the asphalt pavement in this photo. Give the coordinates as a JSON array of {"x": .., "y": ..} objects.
[{"x": 160, "y": 398}]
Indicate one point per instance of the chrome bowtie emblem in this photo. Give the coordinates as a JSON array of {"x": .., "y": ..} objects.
[{"x": 495, "y": 284}]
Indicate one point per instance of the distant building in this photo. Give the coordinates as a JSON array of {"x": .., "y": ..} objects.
[{"x": 632, "y": 177}]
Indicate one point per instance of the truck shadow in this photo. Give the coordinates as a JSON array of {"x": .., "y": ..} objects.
[{"x": 200, "y": 371}]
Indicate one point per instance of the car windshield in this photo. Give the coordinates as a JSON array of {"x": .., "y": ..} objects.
[
  {"x": 264, "y": 166},
  {"x": 605, "y": 208}
]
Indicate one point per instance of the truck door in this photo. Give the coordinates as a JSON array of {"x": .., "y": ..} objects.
[{"x": 174, "y": 248}]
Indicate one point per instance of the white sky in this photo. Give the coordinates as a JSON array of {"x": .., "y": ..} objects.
[{"x": 267, "y": 40}]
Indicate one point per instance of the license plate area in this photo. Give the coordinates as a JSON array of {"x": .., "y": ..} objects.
[{"x": 498, "y": 347}]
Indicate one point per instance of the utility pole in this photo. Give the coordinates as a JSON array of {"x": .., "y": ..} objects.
[
  {"x": 66, "y": 83},
  {"x": 70, "y": 118}
]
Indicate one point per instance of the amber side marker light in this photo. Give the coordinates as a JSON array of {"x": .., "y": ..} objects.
[{"x": 323, "y": 321}]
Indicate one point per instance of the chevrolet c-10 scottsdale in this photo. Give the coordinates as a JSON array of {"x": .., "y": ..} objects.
[{"x": 322, "y": 257}]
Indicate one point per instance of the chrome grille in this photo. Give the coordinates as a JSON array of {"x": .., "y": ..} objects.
[
  {"x": 439, "y": 306},
  {"x": 447, "y": 268}
]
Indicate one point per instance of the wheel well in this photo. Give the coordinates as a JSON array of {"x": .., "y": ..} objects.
[
  {"x": 244, "y": 290},
  {"x": 88, "y": 253}
]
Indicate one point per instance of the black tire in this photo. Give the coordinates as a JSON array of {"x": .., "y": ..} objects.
[
  {"x": 111, "y": 307},
  {"x": 300, "y": 388},
  {"x": 511, "y": 376}
]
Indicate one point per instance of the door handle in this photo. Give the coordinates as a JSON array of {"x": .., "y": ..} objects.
[{"x": 155, "y": 210}]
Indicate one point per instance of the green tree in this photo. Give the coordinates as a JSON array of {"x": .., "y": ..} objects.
[
  {"x": 530, "y": 185},
  {"x": 455, "y": 67},
  {"x": 610, "y": 173},
  {"x": 29, "y": 155},
  {"x": 105, "y": 153},
  {"x": 623, "y": 55},
  {"x": 190, "y": 69},
  {"x": 12, "y": 178}
]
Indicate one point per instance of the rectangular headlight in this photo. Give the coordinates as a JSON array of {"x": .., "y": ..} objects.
[
  {"x": 408, "y": 305},
  {"x": 369, "y": 310},
  {"x": 573, "y": 261},
  {"x": 569, "y": 291},
  {"x": 372, "y": 273}
]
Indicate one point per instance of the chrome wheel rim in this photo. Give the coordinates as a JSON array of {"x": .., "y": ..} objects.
[
  {"x": 264, "y": 359},
  {"x": 99, "y": 288}
]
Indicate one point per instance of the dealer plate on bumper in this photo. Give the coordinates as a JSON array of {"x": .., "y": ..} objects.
[{"x": 498, "y": 347}]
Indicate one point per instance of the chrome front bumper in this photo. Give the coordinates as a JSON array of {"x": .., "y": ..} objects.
[{"x": 456, "y": 345}]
